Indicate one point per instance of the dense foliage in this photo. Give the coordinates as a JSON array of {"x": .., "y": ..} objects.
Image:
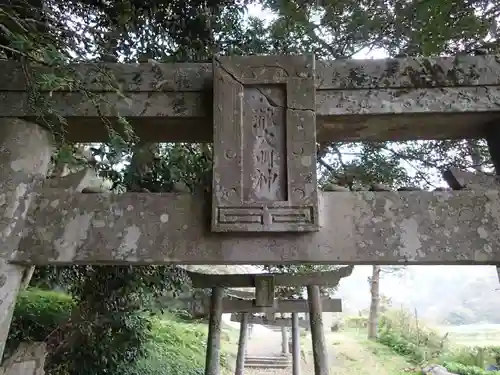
[
  {"x": 170, "y": 346},
  {"x": 37, "y": 314}
]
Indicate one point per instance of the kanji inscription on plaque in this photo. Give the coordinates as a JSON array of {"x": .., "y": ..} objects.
[{"x": 264, "y": 144}]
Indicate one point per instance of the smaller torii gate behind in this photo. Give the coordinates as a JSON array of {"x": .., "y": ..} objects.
[
  {"x": 265, "y": 302},
  {"x": 247, "y": 320}
]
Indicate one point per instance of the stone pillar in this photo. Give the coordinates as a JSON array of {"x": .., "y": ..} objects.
[
  {"x": 28, "y": 359},
  {"x": 295, "y": 344},
  {"x": 317, "y": 332},
  {"x": 25, "y": 151},
  {"x": 492, "y": 140},
  {"x": 212, "y": 366},
  {"x": 242, "y": 345},
  {"x": 307, "y": 319},
  {"x": 284, "y": 340}
]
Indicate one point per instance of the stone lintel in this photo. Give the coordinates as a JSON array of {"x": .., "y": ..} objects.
[
  {"x": 351, "y": 74},
  {"x": 459, "y": 179},
  {"x": 451, "y": 113},
  {"x": 280, "y": 306},
  {"x": 275, "y": 322},
  {"x": 412, "y": 98},
  {"x": 262, "y": 320},
  {"x": 324, "y": 278},
  {"x": 461, "y": 227}
]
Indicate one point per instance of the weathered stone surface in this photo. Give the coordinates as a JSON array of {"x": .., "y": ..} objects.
[
  {"x": 460, "y": 227},
  {"x": 25, "y": 153},
  {"x": 280, "y": 306},
  {"x": 262, "y": 320},
  {"x": 192, "y": 122},
  {"x": 264, "y": 290},
  {"x": 322, "y": 278},
  {"x": 207, "y": 270},
  {"x": 408, "y": 101},
  {"x": 414, "y": 72},
  {"x": 453, "y": 98},
  {"x": 476, "y": 181},
  {"x": 143, "y": 77},
  {"x": 28, "y": 359},
  {"x": 335, "y": 74},
  {"x": 264, "y": 177},
  {"x": 212, "y": 364},
  {"x": 436, "y": 370},
  {"x": 242, "y": 345},
  {"x": 320, "y": 354}
]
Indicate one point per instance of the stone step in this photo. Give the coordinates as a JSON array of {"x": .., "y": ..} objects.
[
  {"x": 276, "y": 362},
  {"x": 273, "y": 328},
  {"x": 267, "y": 365},
  {"x": 267, "y": 359}
]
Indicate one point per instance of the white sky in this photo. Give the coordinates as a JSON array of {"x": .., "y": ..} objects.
[{"x": 256, "y": 10}]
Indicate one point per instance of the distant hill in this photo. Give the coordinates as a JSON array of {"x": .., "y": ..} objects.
[{"x": 444, "y": 294}]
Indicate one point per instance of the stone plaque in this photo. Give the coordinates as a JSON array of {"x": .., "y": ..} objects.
[
  {"x": 264, "y": 144},
  {"x": 264, "y": 291}
]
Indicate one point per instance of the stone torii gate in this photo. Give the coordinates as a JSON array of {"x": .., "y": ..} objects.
[
  {"x": 294, "y": 307},
  {"x": 243, "y": 313},
  {"x": 265, "y": 301},
  {"x": 264, "y": 115}
]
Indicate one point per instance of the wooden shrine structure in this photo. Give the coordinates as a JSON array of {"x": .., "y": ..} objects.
[{"x": 264, "y": 115}]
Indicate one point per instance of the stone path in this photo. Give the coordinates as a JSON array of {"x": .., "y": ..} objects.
[
  {"x": 268, "y": 343},
  {"x": 347, "y": 356},
  {"x": 264, "y": 342}
]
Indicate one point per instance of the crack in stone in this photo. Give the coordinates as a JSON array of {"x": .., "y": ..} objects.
[
  {"x": 269, "y": 99},
  {"x": 221, "y": 65},
  {"x": 274, "y": 104}
]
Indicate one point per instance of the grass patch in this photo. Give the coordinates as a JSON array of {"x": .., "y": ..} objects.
[
  {"x": 478, "y": 335},
  {"x": 178, "y": 348},
  {"x": 368, "y": 356},
  {"x": 403, "y": 334}
]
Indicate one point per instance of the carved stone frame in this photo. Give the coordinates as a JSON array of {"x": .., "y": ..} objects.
[{"x": 286, "y": 86}]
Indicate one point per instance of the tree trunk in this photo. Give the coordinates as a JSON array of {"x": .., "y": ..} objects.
[{"x": 375, "y": 300}]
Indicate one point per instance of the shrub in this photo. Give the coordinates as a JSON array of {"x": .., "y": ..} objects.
[
  {"x": 471, "y": 355},
  {"x": 404, "y": 334},
  {"x": 37, "y": 313},
  {"x": 356, "y": 322},
  {"x": 461, "y": 369},
  {"x": 176, "y": 348},
  {"x": 173, "y": 347}
]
